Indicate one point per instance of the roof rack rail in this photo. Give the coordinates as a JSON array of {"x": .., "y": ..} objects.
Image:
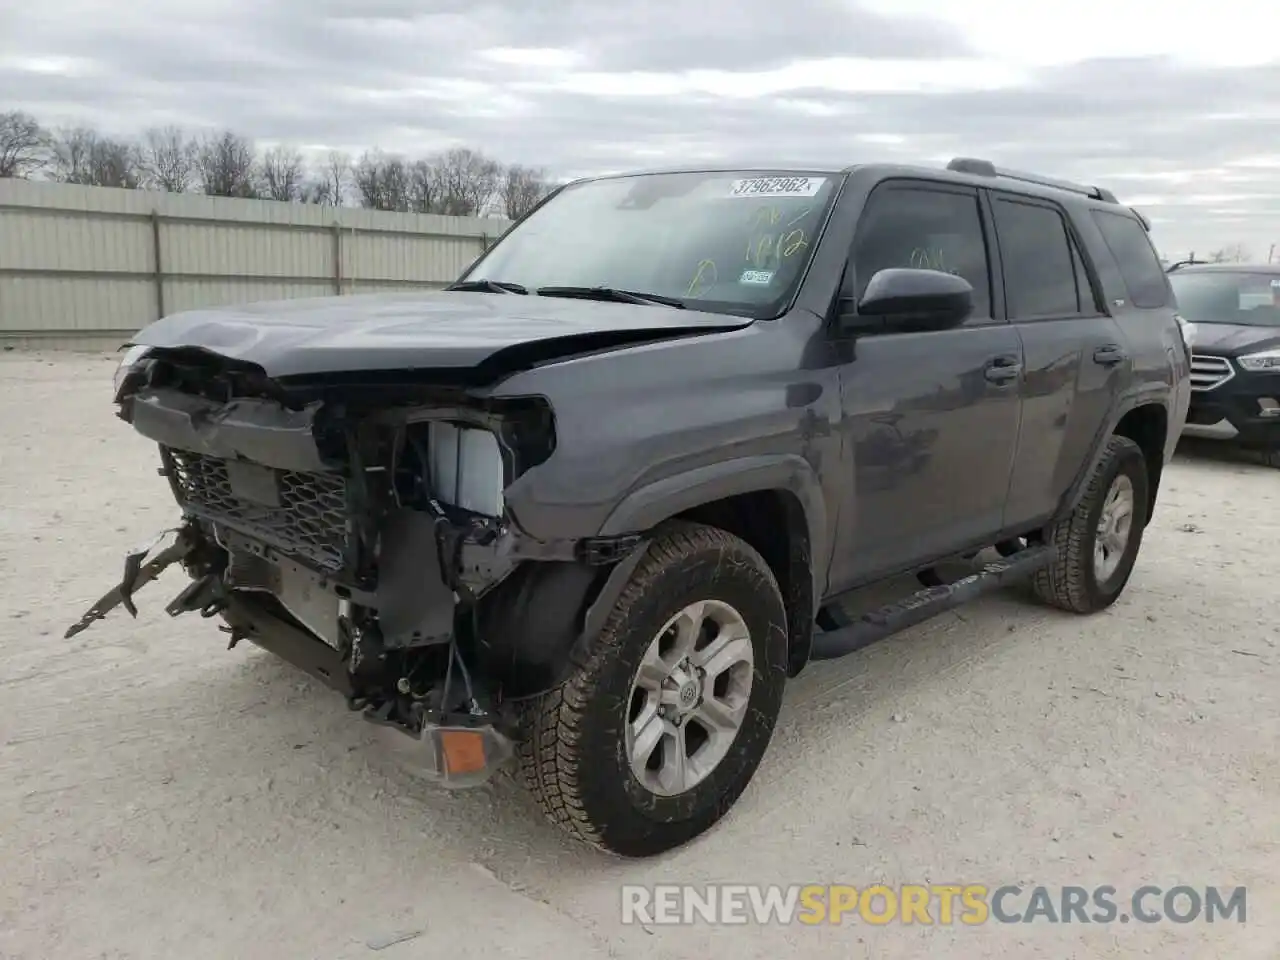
[{"x": 985, "y": 168}]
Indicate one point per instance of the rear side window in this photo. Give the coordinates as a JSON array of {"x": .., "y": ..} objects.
[
  {"x": 1040, "y": 278},
  {"x": 1128, "y": 242}
]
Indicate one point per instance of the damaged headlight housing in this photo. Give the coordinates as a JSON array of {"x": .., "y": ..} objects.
[
  {"x": 466, "y": 468},
  {"x": 132, "y": 357}
]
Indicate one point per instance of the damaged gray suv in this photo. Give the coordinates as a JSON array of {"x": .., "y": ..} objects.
[{"x": 589, "y": 508}]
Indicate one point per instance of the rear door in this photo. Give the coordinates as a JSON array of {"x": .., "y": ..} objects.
[
  {"x": 1147, "y": 315},
  {"x": 1076, "y": 355}
]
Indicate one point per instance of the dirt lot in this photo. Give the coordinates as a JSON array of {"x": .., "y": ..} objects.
[{"x": 163, "y": 797}]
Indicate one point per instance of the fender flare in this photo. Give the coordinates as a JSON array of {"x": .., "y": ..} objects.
[
  {"x": 647, "y": 506},
  {"x": 550, "y": 643},
  {"x": 1127, "y": 402}
]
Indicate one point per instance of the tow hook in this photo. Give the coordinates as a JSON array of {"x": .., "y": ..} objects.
[{"x": 206, "y": 595}]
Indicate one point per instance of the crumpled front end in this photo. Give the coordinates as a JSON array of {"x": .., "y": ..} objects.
[{"x": 363, "y": 537}]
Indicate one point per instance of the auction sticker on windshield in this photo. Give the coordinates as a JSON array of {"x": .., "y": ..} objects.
[{"x": 776, "y": 187}]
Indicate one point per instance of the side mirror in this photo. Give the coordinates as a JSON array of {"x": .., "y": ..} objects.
[{"x": 901, "y": 300}]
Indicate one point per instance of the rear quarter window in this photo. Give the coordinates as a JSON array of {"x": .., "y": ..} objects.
[{"x": 1136, "y": 258}]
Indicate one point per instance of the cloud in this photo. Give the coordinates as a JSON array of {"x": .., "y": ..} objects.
[{"x": 584, "y": 86}]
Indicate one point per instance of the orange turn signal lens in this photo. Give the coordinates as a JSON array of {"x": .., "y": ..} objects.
[
  {"x": 463, "y": 751},
  {"x": 462, "y": 755}
]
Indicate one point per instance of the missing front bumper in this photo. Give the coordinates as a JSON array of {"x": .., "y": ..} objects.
[
  {"x": 412, "y": 605},
  {"x": 139, "y": 571},
  {"x": 456, "y": 738}
]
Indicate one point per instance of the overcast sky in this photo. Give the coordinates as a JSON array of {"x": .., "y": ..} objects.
[{"x": 1175, "y": 107}]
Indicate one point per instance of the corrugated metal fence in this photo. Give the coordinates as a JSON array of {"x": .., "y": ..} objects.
[{"x": 85, "y": 267}]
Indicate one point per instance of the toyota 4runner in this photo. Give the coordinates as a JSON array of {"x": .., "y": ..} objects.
[{"x": 594, "y": 503}]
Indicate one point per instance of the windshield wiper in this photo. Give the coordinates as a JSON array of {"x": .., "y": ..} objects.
[
  {"x": 487, "y": 286},
  {"x": 611, "y": 294}
]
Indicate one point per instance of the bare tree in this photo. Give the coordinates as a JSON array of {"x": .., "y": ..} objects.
[
  {"x": 330, "y": 185},
  {"x": 383, "y": 182},
  {"x": 468, "y": 182},
  {"x": 317, "y": 192},
  {"x": 522, "y": 189},
  {"x": 459, "y": 182},
  {"x": 169, "y": 159},
  {"x": 226, "y": 166},
  {"x": 337, "y": 175},
  {"x": 424, "y": 187},
  {"x": 1231, "y": 253},
  {"x": 23, "y": 144},
  {"x": 395, "y": 184},
  {"x": 283, "y": 174},
  {"x": 82, "y": 155}
]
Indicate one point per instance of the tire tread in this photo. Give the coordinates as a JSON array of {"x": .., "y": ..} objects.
[
  {"x": 1063, "y": 583},
  {"x": 553, "y": 722}
]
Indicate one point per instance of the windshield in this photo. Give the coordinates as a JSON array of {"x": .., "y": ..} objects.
[
  {"x": 722, "y": 242},
  {"x": 1251, "y": 299}
]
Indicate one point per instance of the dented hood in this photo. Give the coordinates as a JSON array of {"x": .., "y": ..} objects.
[{"x": 436, "y": 330}]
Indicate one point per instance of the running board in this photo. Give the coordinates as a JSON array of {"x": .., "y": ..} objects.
[{"x": 927, "y": 603}]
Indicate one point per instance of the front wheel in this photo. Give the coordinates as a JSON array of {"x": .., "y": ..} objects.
[
  {"x": 1097, "y": 545},
  {"x": 666, "y": 717}
]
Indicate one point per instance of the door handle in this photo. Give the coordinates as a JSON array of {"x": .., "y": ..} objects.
[
  {"x": 1110, "y": 355},
  {"x": 1003, "y": 369}
]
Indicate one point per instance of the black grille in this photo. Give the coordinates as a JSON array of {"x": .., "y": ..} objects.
[{"x": 309, "y": 523}]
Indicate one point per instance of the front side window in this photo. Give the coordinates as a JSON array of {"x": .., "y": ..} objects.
[
  {"x": 728, "y": 242},
  {"x": 1040, "y": 278},
  {"x": 924, "y": 229},
  {"x": 1251, "y": 299}
]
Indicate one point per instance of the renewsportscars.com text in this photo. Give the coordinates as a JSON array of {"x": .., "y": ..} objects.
[{"x": 929, "y": 904}]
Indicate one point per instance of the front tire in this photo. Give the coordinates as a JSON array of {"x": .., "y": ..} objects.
[
  {"x": 1097, "y": 545},
  {"x": 666, "y": 717}
]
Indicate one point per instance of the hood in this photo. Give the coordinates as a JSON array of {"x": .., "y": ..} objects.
[
  {"x": 420, "y": 331},
  {"x": 1233, "y": 338}
]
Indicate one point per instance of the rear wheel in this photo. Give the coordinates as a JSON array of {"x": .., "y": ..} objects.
[
  {"x": 1097, "y": 545},
  {"x": 664, "y": 720}
]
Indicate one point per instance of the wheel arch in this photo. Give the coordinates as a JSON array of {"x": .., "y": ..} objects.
[
  {"x": 773, "y": 503},
  {"x": 532, "y": 623},
  {"x": 1143, "y": 417}
]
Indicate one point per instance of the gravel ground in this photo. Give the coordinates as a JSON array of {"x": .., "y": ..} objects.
[{"x": 163, "y": 797}]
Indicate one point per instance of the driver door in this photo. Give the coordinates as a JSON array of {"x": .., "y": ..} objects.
[{"x": 930, "y": 419}]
